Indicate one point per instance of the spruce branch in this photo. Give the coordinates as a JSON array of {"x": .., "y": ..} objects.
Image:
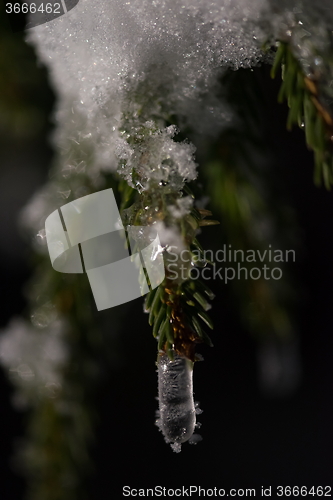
[
  {"x": 178, "y": 316},
  {"x": 177, "y": 308},
  {"x": 307, "y": 110}
]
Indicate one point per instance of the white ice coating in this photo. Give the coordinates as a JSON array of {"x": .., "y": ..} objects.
[{"x": 177, "y": 413}]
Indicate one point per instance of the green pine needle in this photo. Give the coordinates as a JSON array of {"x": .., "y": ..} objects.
[{"x": 304, "y": 112}]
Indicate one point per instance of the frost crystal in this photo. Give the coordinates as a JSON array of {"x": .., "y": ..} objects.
[{"x": 158, "y": 159}]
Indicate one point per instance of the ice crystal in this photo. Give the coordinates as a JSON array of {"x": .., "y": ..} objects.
[
  {"x": 177, "y": 415},
  {"x": 157, "y": 158}
]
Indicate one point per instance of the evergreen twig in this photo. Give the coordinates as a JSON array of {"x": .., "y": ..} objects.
[{"x": 307, "y": 111}]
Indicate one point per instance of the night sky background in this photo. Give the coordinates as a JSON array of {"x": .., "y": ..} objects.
[{"x": 249, "y": 439}]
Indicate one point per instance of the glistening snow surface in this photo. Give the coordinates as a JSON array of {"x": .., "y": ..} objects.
[
  {"x": 101, "y": 49},
  {"x": 112, "y": 61},
  {"x": 124, "y": 70}
]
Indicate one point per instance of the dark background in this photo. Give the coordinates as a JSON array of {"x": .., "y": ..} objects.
[{"x": 249, "y": 439}]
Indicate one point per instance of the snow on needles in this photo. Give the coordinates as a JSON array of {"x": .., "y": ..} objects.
[
  {"x": 117, "y": 66},
  {"x": 106, "y": 54}
]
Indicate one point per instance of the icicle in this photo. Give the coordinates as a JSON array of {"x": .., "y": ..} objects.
[{"x": 177, "y": 412}]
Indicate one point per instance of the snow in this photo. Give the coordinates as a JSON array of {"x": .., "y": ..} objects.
[
  {"x": 118, "y": 66},
  {"x": 123, "y": 71},
  {"x": 34, "y": 358},
  {"x": 157, "y": 158}
]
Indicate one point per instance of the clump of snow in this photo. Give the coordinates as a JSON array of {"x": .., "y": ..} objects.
[
  {"x": 39, "y": 207},
  {"x": 125, "y": 71},
  {"x": 170, "y": 238},
  {"x": 152, "y": 60},
  {"x": 111, "y": 61},
  {"x": 182, "y": 207},
  {"x": 34, "y": 359},
  {"x": 156, "y": 158}
]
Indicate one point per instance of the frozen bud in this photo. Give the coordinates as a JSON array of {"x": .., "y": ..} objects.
[{"x": 177, "y": 414}]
